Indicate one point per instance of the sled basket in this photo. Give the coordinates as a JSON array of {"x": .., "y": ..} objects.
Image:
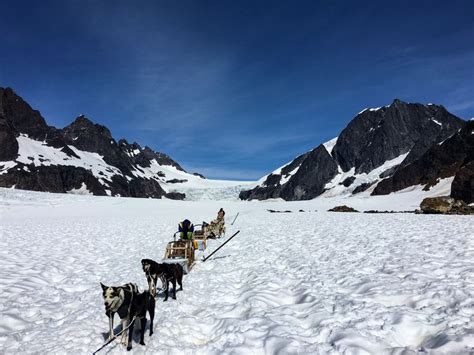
[{"x": 180, "y": 252}]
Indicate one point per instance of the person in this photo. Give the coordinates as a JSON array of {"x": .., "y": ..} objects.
[
  {"x": 186, "y": 229},
  {"x": 217, "y": 227},
  {"x": 221, "y": 214}
]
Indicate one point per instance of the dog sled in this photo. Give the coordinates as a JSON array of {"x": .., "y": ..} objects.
[
  {"x": 216, "y": 228},
  {"x": 180, "y": 252},
  {"x": 200, "y": 238}
]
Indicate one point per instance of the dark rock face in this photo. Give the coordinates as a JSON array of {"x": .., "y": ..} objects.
[
  {"x": 176, "y": 181},
  {"x": 271, "y": 187},
  {"x": 260, "y": 193},
  {"x": 17, "y": 117},
  {"x": 51, "y": 178},
  {"x": 375, "y": 136},
  {"x": 362, "y": 187},
  {"x": 175, "y": 196},
  {"x": 348, "y": 182},
  {"x": 315, "y": 171},
  {"x": 8, "y": 142},
  {"x": 444, "y": 160},
  {"x": 21, "y": 116},
  {"x": 316, "y": 168},
  {"x": 462, "y": 187},
  {"x": 143, "y": 156},
  {"x": 145, "y": 188},
  {"x": 90, "y": 137}
]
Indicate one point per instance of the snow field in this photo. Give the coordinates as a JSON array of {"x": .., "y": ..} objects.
[{"x": 301, "y": 282}]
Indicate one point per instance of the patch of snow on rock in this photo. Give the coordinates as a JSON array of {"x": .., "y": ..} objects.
[
  {"x": 31, "y": 151},
  {"x": 83, "y": 190},
  {"x": 329, "y": 145},
  {"x": 334, "y": 187},
  {"x": 437, "y": 122}
]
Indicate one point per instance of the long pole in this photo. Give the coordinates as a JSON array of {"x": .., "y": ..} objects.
[
  {"x": 115, "y": 336},
  {"x": 235, "y": 219},
  {"x": 207, "y": 257}
]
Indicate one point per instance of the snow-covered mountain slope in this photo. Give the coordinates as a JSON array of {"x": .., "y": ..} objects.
[
  {"x": 453, "y": 157},
  {"x": 171, "y": 179},
  {"x": 33, "y": 153},
  {"x": 84, "y": 158},
  {"x": 350, "y": 182},
  {"x": 284, "y": 173},
  {"x": 302, "y": 282},
  {"x": 371, "y": 148}
]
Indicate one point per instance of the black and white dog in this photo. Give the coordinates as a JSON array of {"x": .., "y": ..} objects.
[
  {"x": 166, "y": 272},
  {"x": 118, "y": 299},
  {"x": 128, "y": 303}
]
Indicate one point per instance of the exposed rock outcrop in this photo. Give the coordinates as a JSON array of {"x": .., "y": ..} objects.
[
  {"x": 462, "y": 187},
  {"x": 314, "y": 170},
  {"x": 8, "y": 142},
  {"x": 445, "y": 205},
  {"x": 452, "y": 157},
  {"x": 343, "y": 208}
]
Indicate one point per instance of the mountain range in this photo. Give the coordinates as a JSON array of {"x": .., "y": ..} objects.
[
  {"x": 382, "y": 150},
  {"x": 81, "y": 157}
]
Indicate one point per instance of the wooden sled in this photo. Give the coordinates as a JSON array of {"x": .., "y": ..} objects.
[
  {"x": 200, "y": 240},
  {"x": 180, "y": 252}
]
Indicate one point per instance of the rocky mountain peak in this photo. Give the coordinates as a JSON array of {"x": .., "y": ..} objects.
[
  {"x": 161, "y": 158},
  {"x": 384, "y": 138},
  {"x": 83, "y": 121},
  {"x": 20, "y": 116},
  {"x": 398, "y": 102},
  {"x": 89, "y": 136},
  {"x": 377, "y": 135}
]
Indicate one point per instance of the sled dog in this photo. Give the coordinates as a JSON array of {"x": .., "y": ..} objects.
[
  {"x": 127, "y": 302},
  {"x": 141, "y": 303},
  {"x": 166, "y": 272}
]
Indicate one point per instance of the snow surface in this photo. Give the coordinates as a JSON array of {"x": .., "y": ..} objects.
[
  {"x": 302, "y": 282},
  {"x": 81, "y": 191}
]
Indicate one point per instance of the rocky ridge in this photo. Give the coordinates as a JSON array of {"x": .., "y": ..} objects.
[
  {"x": 82, "y": 156},
  {"x": 369, "y": 153}
]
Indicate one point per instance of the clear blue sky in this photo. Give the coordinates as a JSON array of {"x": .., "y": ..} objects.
[{"x": 234, "y": 89}]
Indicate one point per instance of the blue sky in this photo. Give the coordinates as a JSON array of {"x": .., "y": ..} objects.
[{"x": 234, "y": 89}]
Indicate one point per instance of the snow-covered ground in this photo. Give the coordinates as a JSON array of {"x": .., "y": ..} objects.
[{"x": 302, "y": 282}]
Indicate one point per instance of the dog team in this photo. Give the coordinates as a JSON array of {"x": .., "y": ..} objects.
[{"x": 131, "y": 305}]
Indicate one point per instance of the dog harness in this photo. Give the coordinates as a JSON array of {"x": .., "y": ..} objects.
[{"x": 164, "y": 281}]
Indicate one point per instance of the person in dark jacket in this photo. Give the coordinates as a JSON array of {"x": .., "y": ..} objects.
[{"x": 186, "y": 229}]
